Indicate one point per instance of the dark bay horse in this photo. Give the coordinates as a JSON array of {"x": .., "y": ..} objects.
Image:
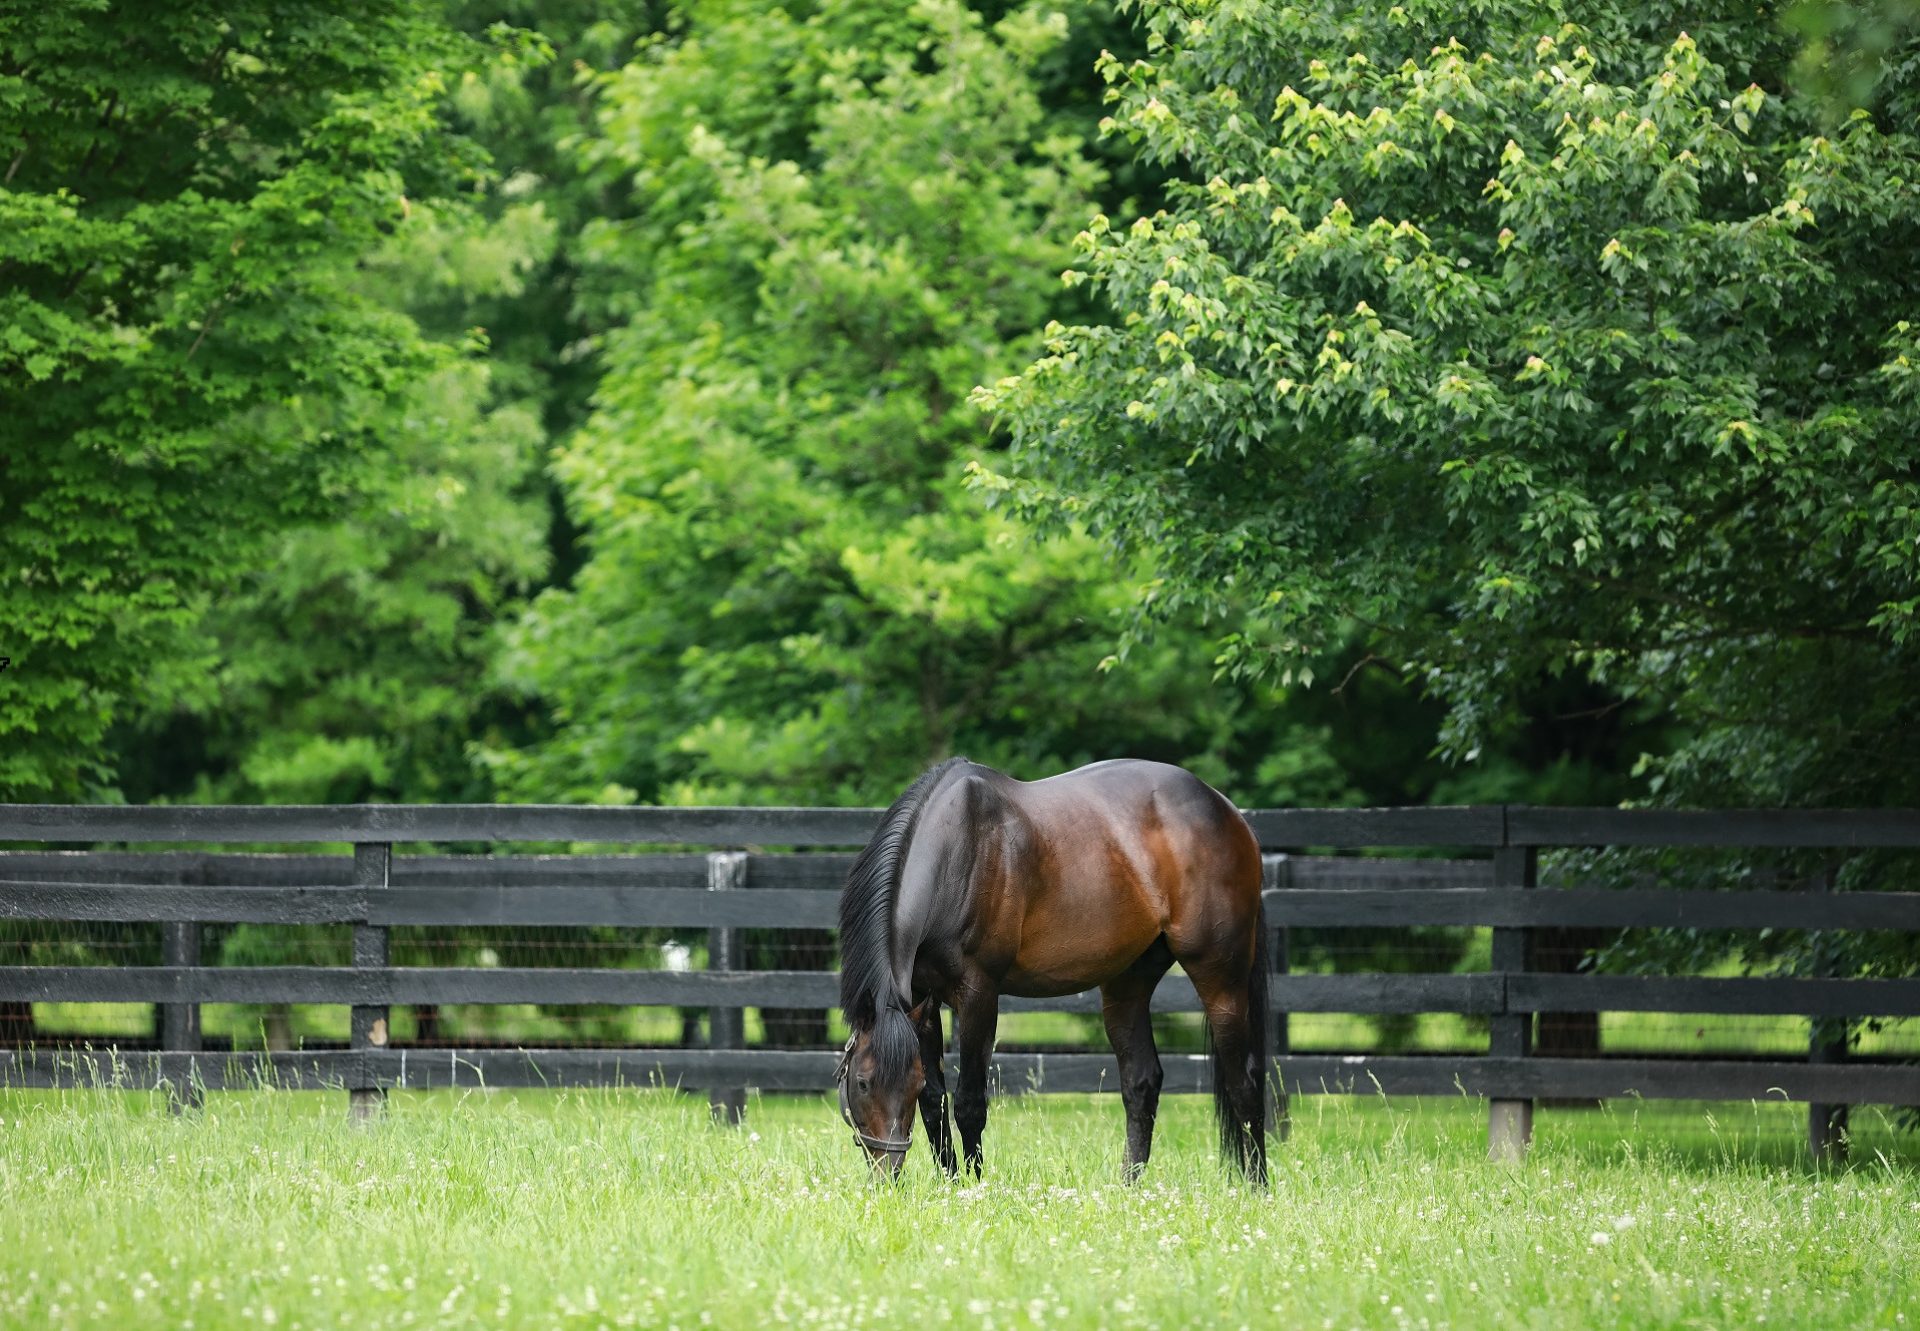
[{"x": 978, "y": 885}]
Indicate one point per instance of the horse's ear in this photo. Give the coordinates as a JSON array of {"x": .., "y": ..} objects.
[{"x": 918, "y": 1012}]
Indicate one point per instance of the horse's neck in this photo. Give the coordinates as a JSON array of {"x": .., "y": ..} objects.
[
  {"x": 934, "y": 900},
  {"x": 916, "y": 914}
]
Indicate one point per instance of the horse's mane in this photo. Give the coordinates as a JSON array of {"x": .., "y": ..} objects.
[{"x": 867, "y": 992}]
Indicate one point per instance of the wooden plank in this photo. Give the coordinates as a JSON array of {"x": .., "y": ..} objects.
[
  {"x": 243, "y": 868},
  {"x": 1827, "y": 1043},
  {"x": 1478, "y": 825},
  {"x": 1175, "y": 994},
  {"x": 1359, "y": 873},
  {"x": 1603, "y": 908},
  {"x": 1297, "y": 992},
  {"x": 658, "y": 870},
  {"x": 147, "y": 1070},
  {"x": 1275, "y": 874},
  {"x": 631, "y": 907},
  {"x": 1371, "y": 992},
  {"x": 726, "y": 1026},
  {"x": 1537, "y": 826},
  {"x": 367, "y": 1022},
  {"x": 194, "y": 868},
  {"x": 180, "y": 1022},
  {"x": 381, "y": 987},
  {"x": 1679, "y": 1078},
  {"x": 1598, "y": 1078},
  {"x": 1516, "y": 869},
  {"x": 640, "y": 906},
  {"x": 214, "y": 905},
  {"x": 1484, "y": 825},
  {"x": 1740, "y": 995},
  {"x": 1480, "y": 993},
  {"x": 827, "y": 872},
  {"x": 292, "y": 823}
]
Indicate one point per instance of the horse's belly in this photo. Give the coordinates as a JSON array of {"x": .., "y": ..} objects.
[{"x": 1066, "y": 952}]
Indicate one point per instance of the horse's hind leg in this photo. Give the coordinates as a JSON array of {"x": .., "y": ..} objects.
[
  {"x": 1239, "y": 1096},
  {"x": 933, "y": 1094},
  {"x": 1125, "y": 1006},
  {"x": 976, "y": 1014}
]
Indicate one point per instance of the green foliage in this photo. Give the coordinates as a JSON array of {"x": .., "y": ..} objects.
[
  {"x": 1537, "y": 348},
  {"x": 844, "y": 220},
  {"x": 345, "y": 667},
  {"x": 351, "y": 663},
  {"x": 1561, "y": 358},
  {"x": 1849, "y": 51},
  {"x": 193, "y": 362}
]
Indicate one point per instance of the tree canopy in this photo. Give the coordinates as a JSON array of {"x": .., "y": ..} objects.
[
  {"x": 842, "y": 221},
  {"x": 1533, "y": 347},
  {"x": 1562, "y": 371},
  {"x": 193, "y": 364}
]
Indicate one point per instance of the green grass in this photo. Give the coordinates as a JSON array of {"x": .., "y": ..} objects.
[{"x": 587, "y": 1209}]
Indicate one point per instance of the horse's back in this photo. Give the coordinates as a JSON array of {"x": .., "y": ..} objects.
[
  {"x": 1135, "y": 800},
  {"x": 1105, "y": 859}
]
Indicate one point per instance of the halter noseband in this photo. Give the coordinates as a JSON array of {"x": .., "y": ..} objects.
[{"x": 880, "y": 1144}]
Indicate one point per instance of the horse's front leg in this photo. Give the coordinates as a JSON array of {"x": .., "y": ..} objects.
[
  {"x": 933, "y": 1092},
  {"x": 976, "y": 1013}
]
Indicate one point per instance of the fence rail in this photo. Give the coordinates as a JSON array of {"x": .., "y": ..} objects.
[
  {"x": 373, "y": 890},
  {"x": 1014, "y": 1073},
  {"x": 1484, "y": 826}
]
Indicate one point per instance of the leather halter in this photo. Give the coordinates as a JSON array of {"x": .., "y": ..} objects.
[{"x": 881, "y": 1144}]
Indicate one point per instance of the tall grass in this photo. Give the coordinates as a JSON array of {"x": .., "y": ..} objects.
[{"x": 586, "y": 1209}]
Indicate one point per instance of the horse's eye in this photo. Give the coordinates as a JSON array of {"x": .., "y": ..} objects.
[{"x": 864, "y": 1084}]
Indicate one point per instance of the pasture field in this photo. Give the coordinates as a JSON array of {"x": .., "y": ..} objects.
[{"x": 627, "y": 1208}]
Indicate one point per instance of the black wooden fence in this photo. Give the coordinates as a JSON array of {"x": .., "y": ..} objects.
[{"x": 724, "y": 891}]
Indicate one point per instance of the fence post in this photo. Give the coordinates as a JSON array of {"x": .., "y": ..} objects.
[
  {"x": 726, "y": 1026},
  {"x": 1510, "y": 1035},
  {"x": 1827, "y": 1043},
  {"x": 1277, "y": 873},
  {"x": 372, "y": 869},
  {"x": 180, "y": 1022}
]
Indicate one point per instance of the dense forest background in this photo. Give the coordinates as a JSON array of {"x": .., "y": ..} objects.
[{"x": 570, "y": 402}]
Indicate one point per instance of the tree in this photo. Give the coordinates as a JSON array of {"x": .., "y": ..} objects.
[
  {"x": 352, "y": 662},
  {"x": 1537, "y": 349},
  {"x": 1542, "y": 351},
  {"x": 192, "y": 366},
  {"x": 843, "y": 218},
  {"x": 788, "y": 596}
]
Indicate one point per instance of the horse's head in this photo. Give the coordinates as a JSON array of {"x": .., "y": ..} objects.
[{"x": 880, "y": 1076}]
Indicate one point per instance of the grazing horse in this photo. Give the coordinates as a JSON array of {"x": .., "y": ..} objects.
[{"x": 978, "y": 885}]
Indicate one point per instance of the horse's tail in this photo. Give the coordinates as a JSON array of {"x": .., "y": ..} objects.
[{"x": 1245, "y": 1143}]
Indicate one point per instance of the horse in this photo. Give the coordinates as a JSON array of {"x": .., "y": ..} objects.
[{"x": 977, "y": 885}]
